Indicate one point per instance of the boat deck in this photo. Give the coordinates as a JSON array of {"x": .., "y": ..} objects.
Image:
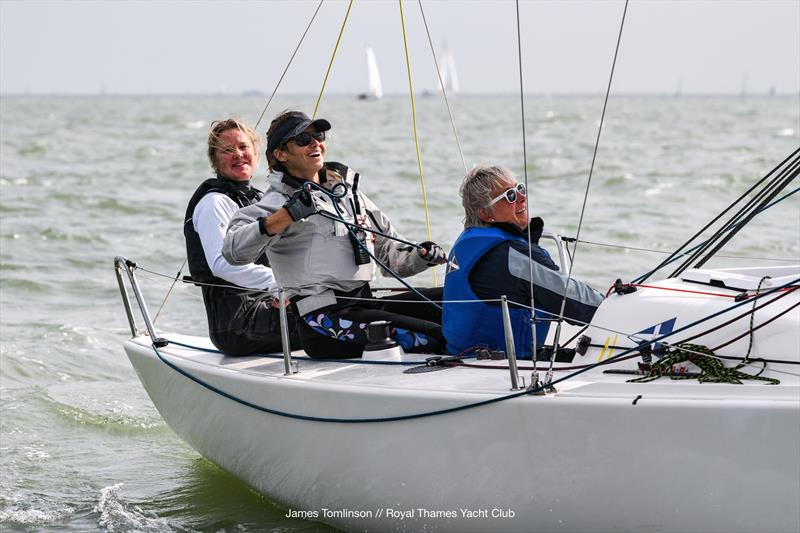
[{"x": 480, "y": 378}]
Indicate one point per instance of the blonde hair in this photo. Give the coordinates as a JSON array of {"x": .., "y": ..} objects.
[{"x": 218, "y": 127}]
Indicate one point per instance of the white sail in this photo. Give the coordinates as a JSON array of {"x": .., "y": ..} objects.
[
  {"x": 447, "y": 71},
  {"x": 375, "y": 87}
]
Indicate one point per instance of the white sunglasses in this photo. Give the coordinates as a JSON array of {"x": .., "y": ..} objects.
[{"x": 510, "y": 195}]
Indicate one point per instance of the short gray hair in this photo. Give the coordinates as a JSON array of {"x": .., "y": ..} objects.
[{"x": 476, "y": 191}]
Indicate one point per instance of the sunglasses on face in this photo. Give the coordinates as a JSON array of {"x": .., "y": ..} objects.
[
  {"x": 304, "y": 138},
  {"x": 510, "y": 195}
]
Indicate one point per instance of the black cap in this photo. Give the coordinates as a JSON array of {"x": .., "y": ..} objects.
[{"x": 294, "y": 123}]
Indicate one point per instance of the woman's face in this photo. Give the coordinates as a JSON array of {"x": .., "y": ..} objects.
[
  {"x": 235, "y": 156},
  {"x": 303, "y": 161},
  {"x": 504, "y": 211}
]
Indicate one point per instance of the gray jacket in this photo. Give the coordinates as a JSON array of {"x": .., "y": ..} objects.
[{"x": 314, "y": 256}]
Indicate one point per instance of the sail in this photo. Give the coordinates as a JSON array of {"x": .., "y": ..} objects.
[
  {"x": 375, "y": 87},
  {"x": 447, "y": 71}
]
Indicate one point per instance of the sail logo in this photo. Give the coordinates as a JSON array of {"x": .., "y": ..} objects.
[{"x": 654, "y": 332}]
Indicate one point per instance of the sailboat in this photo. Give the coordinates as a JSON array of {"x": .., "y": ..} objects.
[
  {"x": 375, "y": 87},
  {"x": 624, "y": 438},
  {"x": 447, "y": 72},
  {"x": 627, "y": 437}
]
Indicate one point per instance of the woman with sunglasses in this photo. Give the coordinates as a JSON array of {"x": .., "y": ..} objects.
[
  {"x": 308, "y": 223},
  {"x": 492, "y": 258},
  {"x": 242, "y": 317}
]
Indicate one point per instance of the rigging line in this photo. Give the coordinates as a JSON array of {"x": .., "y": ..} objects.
[
  {"x": 753, "y": 329},
  {"x": 285, "y": 70},
  {"x": 730, "y": 234},
  {"x": 444, "y": 91},
  {"x": 718, "y": 327},
  {"x": 169, "y": 291},
  {"x": 416, "y": 135},
  {"x": 774, "y": 175},
  {"x": 383, "y": 265},
  {"x": 716, "y": 218},
  {"x": 586, "y": 193},
  {"x": 673, "y": 257},
  {"x": 535, "y": 374},
  {"x": 651, "y": 250},
  {"x": 330, "y": 64},
  {"x": 743, "y": 215}
]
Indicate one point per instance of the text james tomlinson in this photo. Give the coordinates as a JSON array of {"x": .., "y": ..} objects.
[{"x": 401, "y": 514}]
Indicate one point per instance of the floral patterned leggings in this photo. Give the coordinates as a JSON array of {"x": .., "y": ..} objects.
[{"x": 340, "y": 331}]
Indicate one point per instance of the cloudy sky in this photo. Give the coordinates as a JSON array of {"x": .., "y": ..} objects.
[{"x": 132, "y": 47}]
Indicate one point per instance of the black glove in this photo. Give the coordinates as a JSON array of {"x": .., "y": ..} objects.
[
  {"x": 432, "y": 252},
  {"x": 535, "y": 229},
  {"x": 300, "y": 205}
]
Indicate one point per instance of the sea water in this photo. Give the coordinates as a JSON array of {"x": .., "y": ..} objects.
[{"x": 83, "y": 179}]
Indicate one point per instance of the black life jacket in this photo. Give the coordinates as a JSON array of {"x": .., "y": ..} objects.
[{"x": 242, "y": 196}]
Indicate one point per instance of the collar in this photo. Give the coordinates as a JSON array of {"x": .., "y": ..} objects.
[
  {"x": 508, "y": 228},
  {"x": 535, "y": 229},
  {"x": 243, "y": 184},
  {"x": 294, "y": 181}
]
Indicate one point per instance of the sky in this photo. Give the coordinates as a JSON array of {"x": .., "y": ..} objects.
[{"x": 209, "y": 47}]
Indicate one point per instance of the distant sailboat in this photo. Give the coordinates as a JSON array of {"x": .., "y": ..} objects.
[
  {"x": 447, "y": 72},
  {"x": 375, "y": 87}
]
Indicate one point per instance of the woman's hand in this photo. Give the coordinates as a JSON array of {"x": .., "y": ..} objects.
[
  {"x": 300, "y": 205},
  {"x": 432, "y": 252}
]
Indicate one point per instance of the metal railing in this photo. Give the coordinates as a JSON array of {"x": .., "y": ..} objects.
[{"x": 123, "y": 264}]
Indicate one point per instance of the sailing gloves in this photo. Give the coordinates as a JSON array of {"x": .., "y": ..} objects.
[
  {"x": 432, "y": 252},
  {"x": 300, "y": 205}
]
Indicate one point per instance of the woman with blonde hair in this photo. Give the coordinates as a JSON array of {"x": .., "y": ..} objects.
[{"x": 242, "y": 317}]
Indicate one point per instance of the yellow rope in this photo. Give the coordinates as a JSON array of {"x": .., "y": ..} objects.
[
  {"x": 333, "y": 55},
  {"x": 416, "y": 136}
]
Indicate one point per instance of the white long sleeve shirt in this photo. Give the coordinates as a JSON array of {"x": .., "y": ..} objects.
[{"x": 210, "y": 220}]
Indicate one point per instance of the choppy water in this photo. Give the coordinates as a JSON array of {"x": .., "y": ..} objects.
[{"x": 84, "y": 179}]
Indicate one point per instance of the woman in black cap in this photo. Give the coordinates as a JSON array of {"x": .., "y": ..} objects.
[{"x": 318, "y": 253}]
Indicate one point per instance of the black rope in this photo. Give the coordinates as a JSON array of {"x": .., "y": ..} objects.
[
  {"x": 736, "y": 222},
  {"x": 714, "y": 220},
  {"x": 675, "y": 257},
  {"x": 336, "y": 196},
  {"x": 792, "y": 175},
  {"x": 285, "y": 70}
]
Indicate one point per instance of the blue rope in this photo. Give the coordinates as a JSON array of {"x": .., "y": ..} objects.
[{"x": 464, "y": 407}]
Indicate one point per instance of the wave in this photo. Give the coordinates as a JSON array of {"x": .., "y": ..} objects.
[
  {"x": 114, "y": 205},
  {"x": 106, "y": 406},
  {"x": 52, "y": 234},
  {"x": 26, "y": 285},
  {"x": 16, "y": 510},
  {"x": 117, "y": 515}
]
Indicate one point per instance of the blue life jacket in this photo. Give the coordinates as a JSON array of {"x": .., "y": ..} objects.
[{"x": 466, "y": 325}]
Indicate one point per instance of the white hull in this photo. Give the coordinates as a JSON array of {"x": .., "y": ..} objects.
[
  {"x": 600, "y": 454},
  {"x": 685, "y": 457}
]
